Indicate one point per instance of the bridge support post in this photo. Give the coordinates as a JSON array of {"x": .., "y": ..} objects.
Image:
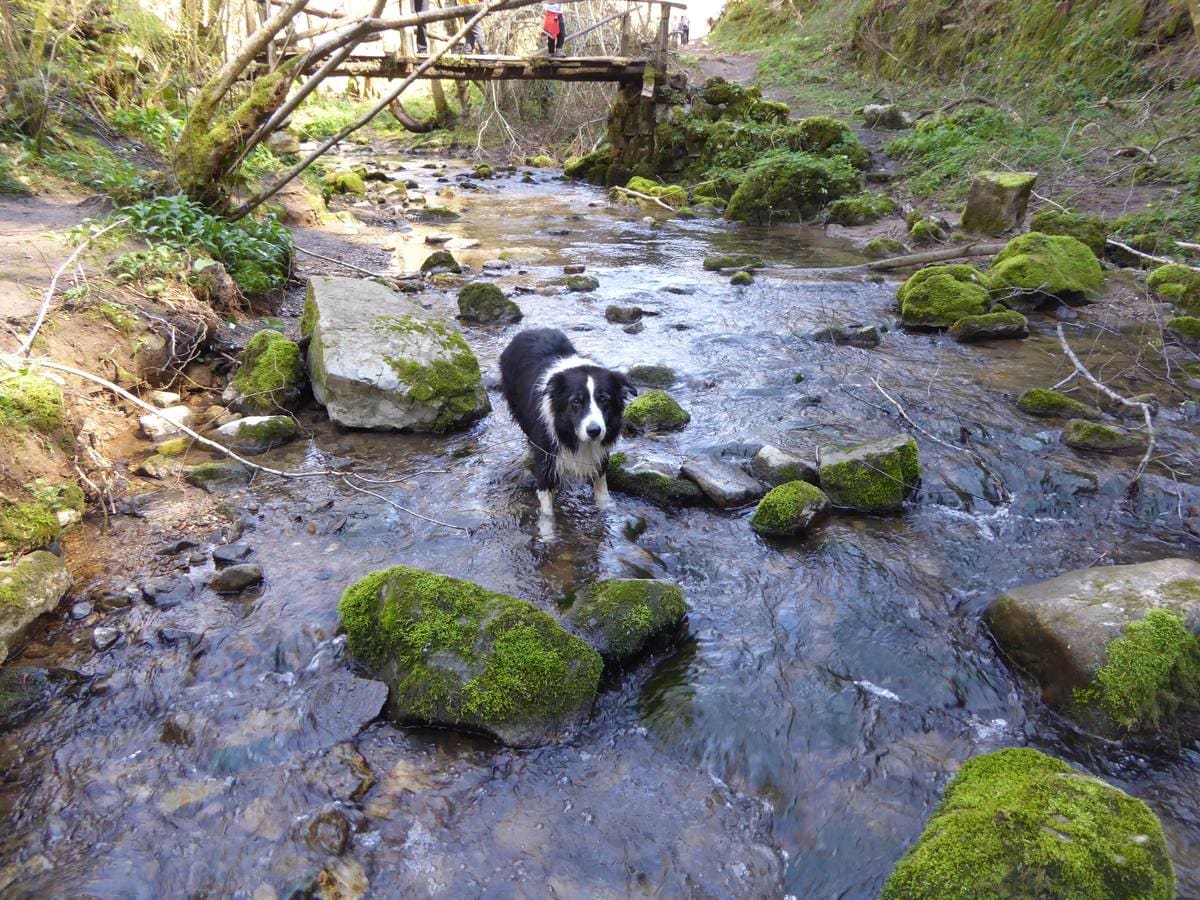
[{"x": 664, "y": 39}]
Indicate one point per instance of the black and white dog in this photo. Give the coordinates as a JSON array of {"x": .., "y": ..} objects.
[{"x": 569, "y": 407}]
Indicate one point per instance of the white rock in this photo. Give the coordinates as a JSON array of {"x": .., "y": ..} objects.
[
  {"x": 163, "y": 399},
  {"x": 165, "y": 424}
]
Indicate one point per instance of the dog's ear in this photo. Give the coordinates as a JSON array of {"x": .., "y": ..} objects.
[{"x": 628, "y": 391}]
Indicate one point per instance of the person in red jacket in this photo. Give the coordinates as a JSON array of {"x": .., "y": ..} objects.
[{"x": 555, "y": 27}]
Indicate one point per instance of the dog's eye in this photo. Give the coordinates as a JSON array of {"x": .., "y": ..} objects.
[
  {"x": 603, "y": 397},
  {"x": 577, "y": 401}
]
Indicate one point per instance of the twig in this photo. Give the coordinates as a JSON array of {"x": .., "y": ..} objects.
[
  {"x": 339, "y": 262},
  {"x": 646, "y": 197},
  {"x": 1151, "y": 257},
  {"x": 23, "y": 350},
  {"x": 1113, "y": 395},
  {"x": 405, "y": 509}
]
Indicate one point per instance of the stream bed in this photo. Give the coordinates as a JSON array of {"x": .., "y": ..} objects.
[{"x": 794, "y": 743}]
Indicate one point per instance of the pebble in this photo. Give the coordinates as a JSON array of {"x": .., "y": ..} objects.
[
  {"x": 236, "y": 578},
  {"x": 104, "y": 637},
  {"x": 329, "y": 832},
  {"x": 81, "y": 611}
]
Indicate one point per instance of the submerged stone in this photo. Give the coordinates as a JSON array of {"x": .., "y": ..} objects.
[
  {"x": 258, "y": 434},
  {"x": 486, "y": 304},
  {"x": 733, "y": 261},
  {"x": 997, "y": 201},
  {"x": 652, "y": 376},
  {"x": 456, "y": 654},
  {"x": 270, "y": 378},
  {"x": 1084, "y": 435},
  {"x": 655, "y": 410},
  {"x": 1037, "y": 266},
  {"x": 1018, "y": 823},
  {"x": 216, "y": 475},
  {"x": 874, "y": 478},
  {"x": 1005, "y": 325},
  {"x": 853, "y": 335},
  {"x": 582, "y": 283},
  {"x": 617, "y": 617},
  {"x": 776, "y": 466},
  {"x": 939, "y": 296},
  {"x": 790, "y": 509},
  {"x": 29, "y": 587},
  {"x": 651, "y": 480},
  {"x": 1047, "y": 402}
]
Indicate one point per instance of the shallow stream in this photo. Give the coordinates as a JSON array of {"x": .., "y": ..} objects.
[{"x": 793, "y": 744}]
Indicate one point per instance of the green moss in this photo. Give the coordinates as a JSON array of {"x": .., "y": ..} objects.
[
  {"x": 483, "y": 170},
  {"x": 653, "y": 486},
  {"x": 441, "y": 261},
  {"x": 618, "y": 616},
  {"x": 878, "y": 248},
  {"x": 591, "y": 166},
  {"x": 464, "y": 654},
  {"x": 308, "y": 317},
  {"x": 652, "y": 376},
  {"x": 345, "y": 183},
  {"x": 1177, "y": 284},
  {"x": 938, "y": 296},
  {"x": 26, "y": 526},
  {"x": 1187, "y": 327},
  {"x": 213, "y": 475},
  {"x": 789, "y": 509},
  {"x": 1046, "y": 402},
  {"x": 733, "y": 261},
  {"x": 541, "y": 161},
  {"x": 1005, "y": 323},
  {"x": 1018, "y": 823},
  {"x": 271, "y": 375},
  {"x": 741, "y": 279},
  {"x": 873, "y": 478},
  {"x": 1046, "y": 265},
  {"x": 435, "y": 214},
  {"x": 173, "y": 448},
  {"x": 1101, "y": 438},
  {"x": 30, "y": 401},
  {"x": 452, "y": 382},
  {"x": 480, "y": 301},
  {"x": 925, "y": 231},
  {"x": 1086, "y": 229},
  {"x": 862, "y": 209},
  {"x": 671, "y": 194},
  {"x": 655, "y": 411},
  {"x": 274, "y": 431},
  {"x": 786, "y": 186},
  {"x": 582, "y": 283}
]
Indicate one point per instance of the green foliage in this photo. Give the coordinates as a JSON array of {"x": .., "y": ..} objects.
[
  {"x": 9, "y": 182},
  {"x": 158, "y": 262},
  {"x": 91, "y": 165},
  {"x": 152, "y": 125},
  {"x": 862, "y": 209},
  {"x": 1018, "y": 823}
]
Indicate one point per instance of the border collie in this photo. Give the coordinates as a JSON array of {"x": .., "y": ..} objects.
[{"x": 569, "y": 407}]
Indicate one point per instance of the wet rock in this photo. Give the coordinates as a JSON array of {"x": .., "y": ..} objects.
[
  {"x": 165, "y": 423},
  {"x": 236, "y": 578},
  {"x": 852, "y": 335},
  {"x": 163, "y": 399},
  {"x": 81, "y": 611},
  {"x": 938, "y": 296},
  {"x": 618, "y": 617},
  {"x": 655, "y": 410},
  {"x": 167, "y": 591},
  {"x": 884, "y": 115},
  {"x": 725, "y": 484},
  {"x": 874, "y": 478},
  {"x": 1112, "y": 647},
  {"x": 176, "y": 547},
  {"x": 160, "y": 467},
  {"x": 733, "y": 261},
  {"x": 1018, "y": 823},
  {"x": 486, "y": 304},
  {"x": 329, "y": 832},
  {"x": 379, "y": 360},
  {"x": 652, "y": 376},
  {"x": 1048, "y": 403},
  {"x": 775, "y": 466},
  {"x": 441, "y": 261},
  {"x": 997, "y": 201},
  {"x": 107, "y": 599},
  {"x": 25, "y": 689},
  {"x": 104, "y": 637},
  {"x": 437, "y": 238},
  {"x": 214, "y": 476},
  {"x": 623, "y": 315},
  {"x": 342, "y": 772},
  {"x": 1084, "y": 435},
  {"x": 582, "y": 283},
  {"x": 990, "y": 327},
  {"x": 177, "y": 730},
  {"x": 574, "y": 270},
  {"x": 790, "y": 509},
  {"x": 456, "y": 654},
  {"x": 496, "y": 265},
  {"x": 652, "y": 480},
  {"x": 258, "y": 434},
  {"x": 635, "y": 328},
  {"x": 1034, "y": 267},
  {"x": 30, "y": 586},
  {"x": 282, "y": 143},
  {"x": 270, "y": 378},
  {"x": 228, "y": 554},
  {"x": 173, "y": 636},
  {"x": 212, "y": 284}
]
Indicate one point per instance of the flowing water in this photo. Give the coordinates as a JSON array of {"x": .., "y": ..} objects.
[{"x": 793, "y": 743}]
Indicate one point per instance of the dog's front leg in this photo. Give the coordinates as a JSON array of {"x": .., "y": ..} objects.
[
  {"x": 600, "y": 491},
  {"x": 546, "y": 514}
]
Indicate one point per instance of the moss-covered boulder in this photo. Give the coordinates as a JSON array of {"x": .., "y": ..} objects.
[
  {"x": 30, "y": 401},
  {"x": 486, "y": 304},
  {"x": 1176, "y": 283},
  {"x": 591, "y": 166},
  {"x": 655, "y": 411},
  {"x": 214, "y": 477},
  {"x": 671, "y": 194},
  {"x": 441, "y": 261},
  {"x": 861, "y": 209},
  {"x": 1018, "y": 823},
  {"x": 939, "y": 296},
  {"x": 741, "y": 278},
  {"x": 483, "y": 171},
  {"x": 345, "y": 182},
  {"x": 1037, "y": 266},
  {"x": 38, "y": 518},
  {"x": 789, "y": 186},
  {"x": 618, "y": 617},
  {"x": 270, "y": 378},
  {"x": 581, "y": 283},
  {"x": 1086, "y": 229},
  {"x": 380, "y": 360},
  {"x": 873, "y": 478},
  {"x": 733, "y": 261},
  {"x": 1050, "y": 403},
  {"x": 29, "y": 587},
  {"x": 456, "y": 654},
  {"x": 652, "y": 480},
  {"x": 1084, "y": 435},
  {"x": 880, "y": 247},
  {"x": 1112, "y": 647},
  {"x": 258, "y": 434},
  {"x": 1186, "y": 329},
  {"x": 1003, "y": 325},
  {"x": 541, "y": 161},
  {"x": 997, "y": 201},
  {"x": 790, "y": 509},
  {"x": 923, "y": 231}
]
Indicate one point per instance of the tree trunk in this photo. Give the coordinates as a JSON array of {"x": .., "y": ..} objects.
[
  {"x": 1195, "y": 7},
  {"x": 443, "y": 115}
]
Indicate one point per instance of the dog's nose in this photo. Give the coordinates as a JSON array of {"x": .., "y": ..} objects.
[{"x": 593, "y": 431}]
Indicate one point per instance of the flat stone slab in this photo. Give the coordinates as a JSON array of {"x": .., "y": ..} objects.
[{"x": 725, "y": 483}]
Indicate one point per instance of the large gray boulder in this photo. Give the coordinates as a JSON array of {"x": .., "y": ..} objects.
[
  {"x": 378, "y": 360},
  {"x": 29, "y": 587},
  {"x": 1062, "y": 632}
]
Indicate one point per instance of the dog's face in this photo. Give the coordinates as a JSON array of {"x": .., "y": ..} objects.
[{"x": 587, "y": 404}]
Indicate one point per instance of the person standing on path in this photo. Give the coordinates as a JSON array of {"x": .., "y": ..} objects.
[
  {"x": 684, "y": 28},
  {"x": 422, "y": 40},
  {"x": 555, "y": 27}
]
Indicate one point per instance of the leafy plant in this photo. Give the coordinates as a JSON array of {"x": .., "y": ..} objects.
[
  {"x": 9, "y": 183},
  {"x": 87, "y": 163},
  {"x": 149, "y": 124}
]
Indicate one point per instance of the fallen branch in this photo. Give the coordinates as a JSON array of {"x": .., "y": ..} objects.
[
  {"x": 911, "y": 259},
  {"x": 1091, "y": 379},
  {"x": 339, "y": 262},
  {"x": 1158, "y": 259},
  {"x": 646, "y": 197}
]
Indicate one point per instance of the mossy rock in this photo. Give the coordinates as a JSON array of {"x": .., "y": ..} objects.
[
  {"x": 1176, "y": 283},
  {"x": 1003, "y": 325},
  {"x": 1086, "y": 229},
  {"x": 483, "y": 170},
  {"x": 345, "y": 183},
  {"x": 861, "y": 209},
  {"x": 671, "y": 194},
  {"x": 592, "y": 166},
  {"x": 658, "y": 483},
  {"x": 541, "y": 161},
  {"x": 939, "y": 296},
  {"x": 214, "y": 476},
  {"x": 582, "y": 283},
  {"x": 1084, "y": 435},
  {"x": 258, "y": 434},
  {"x": 174, "y": 448},
  {"x": 29, "y": 587},
  {"x": 655, "y": 410},
  {"x": 923, "y": 232},
  {"x": 790, "y": 509},
  {"x": 486, "y": 304},
  {"x": 875, "y": 477},
  {"x": 457, "y": 654},
  {"x": 1048, "y": 403},
  {"x": 997, "y": 201},
  {"x": 733, "y": 261},
  {"x": 441, "y": 261},
  {"x": 1018, "y": 823},
  {"x": 824, "y": 135},
  {"x": 881, "y": 247},
  {"x": 789, "y": 186},
  {"x": 619, "y": 616},
  {"x": 741, "y": 279},
  {"x": 1185, "y": 328},
  {"x": 270, "y": 377},
  {"x": 29, "y": 401},
  {"x": 768, "y": 112},
  {"x": 1042, "y": 265},
  {"x": 652, "y": 376},
  {"x": 39, "y": 521}
]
